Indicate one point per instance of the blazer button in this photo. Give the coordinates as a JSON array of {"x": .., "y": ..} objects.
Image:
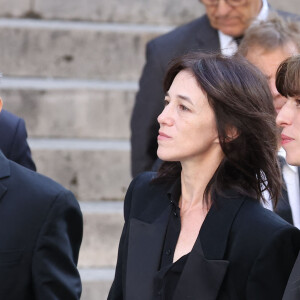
[{"x": 168, "y": 252}]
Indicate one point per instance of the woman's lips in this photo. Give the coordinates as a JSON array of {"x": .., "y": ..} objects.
[
  {"x": 285, "y": 139},
  {"x": 162, "y": 136}
]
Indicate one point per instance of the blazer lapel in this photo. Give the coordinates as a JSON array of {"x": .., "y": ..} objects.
[
  {"x": 206, "y": 268},
  {"x": 216, "y": 227},
  {"x": 145, "y": 244},
  {"x": 200, "y": 276}
]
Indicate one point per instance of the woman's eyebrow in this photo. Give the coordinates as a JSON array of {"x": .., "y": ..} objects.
[{"x": 182, "y": 97}]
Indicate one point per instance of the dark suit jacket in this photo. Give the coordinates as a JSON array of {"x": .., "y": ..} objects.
[
  {"x": 244, "y": 252},
  {"x": 13, "y": 140},
  {"x": 40, "y": 236},
  {"x": 196, "y": 35}
]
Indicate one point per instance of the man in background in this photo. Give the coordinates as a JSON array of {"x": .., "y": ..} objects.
[
  {"x": 266, "y": 44},
  {"x": 40, "y": 232}
]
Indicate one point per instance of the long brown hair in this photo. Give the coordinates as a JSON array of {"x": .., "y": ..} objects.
[{"x": 240, "y": 97}]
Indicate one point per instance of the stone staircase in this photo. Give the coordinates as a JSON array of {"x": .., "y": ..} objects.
[{"x": 70, "y": 69}]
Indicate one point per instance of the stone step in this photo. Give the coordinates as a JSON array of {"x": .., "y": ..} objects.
[
  {"x": 103, "y": 223},
  {"x": 135, "y": 11},
  {"x": 77, "y": 50},
  {"x": 96, "y": 283},
  {"x": 93, "y": 170},
  {"x": 71, "y": 108}
]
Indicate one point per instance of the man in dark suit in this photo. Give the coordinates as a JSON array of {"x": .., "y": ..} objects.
[
  {"x": 221, "y": 27},
  {"x": 13, "y": 142},
  {"x": 40, "y": 234},
  {"x": 266, "y": 44}
]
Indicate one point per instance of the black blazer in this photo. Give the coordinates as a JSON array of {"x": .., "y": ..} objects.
[
  {"x": 196, "y": 35},
  {"x": 13, "y": 140},
  {"x": 244, "y": 252},
  {"x": 40, "y": 236}
]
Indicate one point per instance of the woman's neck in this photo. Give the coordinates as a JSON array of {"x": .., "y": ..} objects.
[{"x": 195, "y": 176}]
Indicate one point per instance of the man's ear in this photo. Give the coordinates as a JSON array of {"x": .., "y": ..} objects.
[{"x": 1, "y": 104}]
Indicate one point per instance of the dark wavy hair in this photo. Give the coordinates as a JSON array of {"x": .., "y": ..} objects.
[
  {"x": 241, "y": 100},
  {"x": 288, "y": 77}
]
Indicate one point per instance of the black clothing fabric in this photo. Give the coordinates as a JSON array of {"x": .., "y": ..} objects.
[
  {"x": 13, "y": 141},
  {"x": 41, "y": 230},
  {"x": 283, "y": 208},
  {"x": 240, "y": 245}
]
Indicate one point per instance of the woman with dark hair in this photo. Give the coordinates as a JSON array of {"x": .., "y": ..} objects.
[
  {"x": 288, "y": 85},
  {"x": 196, "y": 229}
]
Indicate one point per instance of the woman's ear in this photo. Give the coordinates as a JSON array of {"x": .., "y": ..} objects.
[
  {"x": 1, "y": 104},
  {"x": 232, "y": 134}
]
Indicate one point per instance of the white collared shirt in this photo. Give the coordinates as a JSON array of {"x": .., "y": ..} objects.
[
  {"x": 227, "y": 43},
  {"x": 291, "y": 178}
]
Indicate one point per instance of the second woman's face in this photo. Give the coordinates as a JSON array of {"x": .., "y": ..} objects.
[
  {"x": 187, "y": 123},
  {"x": 289, "y": 119}
]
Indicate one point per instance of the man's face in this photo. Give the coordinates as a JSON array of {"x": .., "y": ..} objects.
[
  {"x": 268, "y": 62},
  {"x": 230, "y": 20}
]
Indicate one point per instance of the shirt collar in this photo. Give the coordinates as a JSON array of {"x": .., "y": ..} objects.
[
  {"x": 228, "y": 45},
  {"x": 174, "y": 191},
  {"x": 282, "y": 153}
]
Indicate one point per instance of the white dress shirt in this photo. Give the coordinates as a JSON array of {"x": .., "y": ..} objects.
[{"x": 291, "y": 178}]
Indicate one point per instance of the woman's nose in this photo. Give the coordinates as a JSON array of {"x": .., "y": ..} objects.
[
  {"x": 284, "y": 116},
  {"x": 166, "y": 116}
]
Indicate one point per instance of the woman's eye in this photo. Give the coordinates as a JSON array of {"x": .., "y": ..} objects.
[
  {"x": 166, "y": 102},
  {"x": 184, "y": 108},
  {"x": 298, "y": 102}
]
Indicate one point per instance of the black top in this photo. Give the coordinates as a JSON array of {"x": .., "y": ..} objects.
[{"x": 167, "y": 277}]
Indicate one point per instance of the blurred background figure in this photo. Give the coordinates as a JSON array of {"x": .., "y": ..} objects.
[
  {"x": 40, "y": 233},
  {"x": 13, "y": 142},
  {"x": 221, "y": 27},
  {"x": 266, "y": 44}
]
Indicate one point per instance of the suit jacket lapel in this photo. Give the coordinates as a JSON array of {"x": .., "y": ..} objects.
[
  {"x": 4, "y": 172},
  {"x": 144, "y": 246},
  {"x": 210, "y": 40}
]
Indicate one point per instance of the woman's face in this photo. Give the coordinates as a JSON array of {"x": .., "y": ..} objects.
[
  {"x": 289, "y": 119},
  {"x": 187, "y": 123}
]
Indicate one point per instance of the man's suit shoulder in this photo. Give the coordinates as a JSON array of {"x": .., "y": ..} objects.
[
  {"x": 183, "y": 38},
  {"x": 181, "y": 32},
  {"x": 27, "y": 180},
  {"x": 260, "y": 222},
  {"x": 8, "y": 118}
]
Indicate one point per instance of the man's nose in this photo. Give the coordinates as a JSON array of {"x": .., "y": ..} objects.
[{"x": 223, "y": 8}]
